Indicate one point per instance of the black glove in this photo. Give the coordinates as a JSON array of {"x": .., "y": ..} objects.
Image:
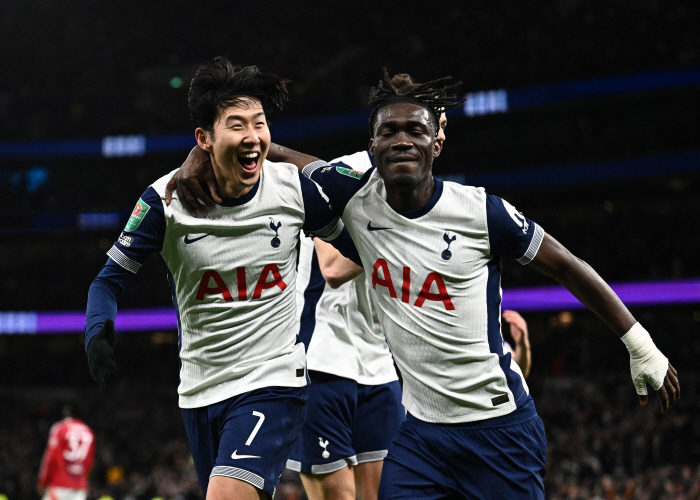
[{"x": 100, "y": 352}]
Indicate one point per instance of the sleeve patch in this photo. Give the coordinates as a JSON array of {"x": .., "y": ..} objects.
[
  {"x": 349, "y": 172},
  {"x": 137, "y": 215}
]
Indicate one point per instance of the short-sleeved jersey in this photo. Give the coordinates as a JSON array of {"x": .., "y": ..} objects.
[
  {"x": 69, "y": 455},
  {"x": 435, "y": 276},
  {"x": 340, "y": 327},
  {"x": 233, "y": 277}
]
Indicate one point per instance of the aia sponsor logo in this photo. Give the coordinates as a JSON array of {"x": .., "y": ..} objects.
[
  {"x": 212, "y": 283},
  {"x": 381, "y": 276}
]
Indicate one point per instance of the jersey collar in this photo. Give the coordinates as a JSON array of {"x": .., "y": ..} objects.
[
  {"x": 241, "y": 200},
  {"x": 420, "y": 212}
]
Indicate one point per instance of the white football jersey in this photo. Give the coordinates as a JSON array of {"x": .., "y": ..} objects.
[
  {"x": 435, "y": 277},
  {"x": 233, "y": 277},
  {"x": 340, "y": 326}
]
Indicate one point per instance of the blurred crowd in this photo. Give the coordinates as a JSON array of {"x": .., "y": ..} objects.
[
  {"x": 109, "y": 70},
  {"x": 601, "y": 443}
]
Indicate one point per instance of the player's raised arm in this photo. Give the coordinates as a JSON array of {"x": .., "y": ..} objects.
[
  {"x": 647, "y": 363},
  {"x": 513, "y": 235}
]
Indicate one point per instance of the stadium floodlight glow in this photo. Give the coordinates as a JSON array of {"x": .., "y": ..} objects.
[{"x": 544, "y": 298}]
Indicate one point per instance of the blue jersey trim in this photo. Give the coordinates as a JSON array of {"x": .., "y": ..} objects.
[
  {"x": 241, "y": 200},
  {"x": 312, "y": 295},
  {"x": 420, "y": 212},
  {"x": 493, "y": 307}
]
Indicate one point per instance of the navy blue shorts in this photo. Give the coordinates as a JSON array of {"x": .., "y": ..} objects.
[
  {"x": 500, "y": 458},
  {"x": 247, "y": 437},
  {"x": 346, "y": 423}
]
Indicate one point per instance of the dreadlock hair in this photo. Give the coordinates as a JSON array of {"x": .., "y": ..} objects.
[
  {"x": 402, "y": 83},
  {"x": 219, "y": 84},
  {"x": 426, "y": 95}
]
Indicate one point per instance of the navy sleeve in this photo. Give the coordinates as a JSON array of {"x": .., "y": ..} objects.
[
  {"x": 319, "y": 220},
  {"x": 143, "y": 234},
  {"x": 102, "y": 297},
  {"x": 511, "y": 234},
  {"x": 339, "y": 182}
]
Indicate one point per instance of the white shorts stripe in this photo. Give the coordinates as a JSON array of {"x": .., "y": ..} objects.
[
  {"x": 333, "y": 466},
  {"x": 241, "y": 474},
  {"x": 371, "y": 456}
]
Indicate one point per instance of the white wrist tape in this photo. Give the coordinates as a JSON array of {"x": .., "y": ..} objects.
[{"x": 646, "y": 361}]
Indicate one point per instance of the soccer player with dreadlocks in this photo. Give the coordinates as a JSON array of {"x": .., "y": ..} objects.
[{"x": 432, "y": 251}]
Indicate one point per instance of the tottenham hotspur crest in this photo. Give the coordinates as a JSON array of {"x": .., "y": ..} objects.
[
  {"x": 324, "y": 444},
  {"x": 446, "y": 254},
  {"x": 275, "y": 227}
]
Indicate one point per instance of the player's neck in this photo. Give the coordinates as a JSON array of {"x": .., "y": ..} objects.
[
  {"x": 229, "y": 186},
  {"x": 406, "y": 199}
]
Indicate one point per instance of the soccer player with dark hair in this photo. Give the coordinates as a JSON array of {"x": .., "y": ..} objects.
[
  {"x": 432, "y": 251},
  {"x": 243, "y": 380}
]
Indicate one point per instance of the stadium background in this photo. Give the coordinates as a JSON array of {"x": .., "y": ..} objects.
[{"x": 584, "y": 115}]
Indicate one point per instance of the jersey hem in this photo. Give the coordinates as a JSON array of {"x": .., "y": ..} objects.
[
  {"x": 463, "y": 419},
  {"x": 353, "y": 376},
  {"x": 189, "y": 403}
]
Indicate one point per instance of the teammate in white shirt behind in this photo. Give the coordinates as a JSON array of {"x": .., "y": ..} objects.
[{"x": 243, "y": 380}]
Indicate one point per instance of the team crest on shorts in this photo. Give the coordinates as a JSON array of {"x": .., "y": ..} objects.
[{"x": 324, "y": 444}]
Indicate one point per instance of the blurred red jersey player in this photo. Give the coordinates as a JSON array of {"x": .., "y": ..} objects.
[{"x": 68, "y": 458}]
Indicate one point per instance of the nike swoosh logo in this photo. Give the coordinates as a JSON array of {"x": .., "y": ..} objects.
[
  {"x": 188, "y": 240},
  {"x": 370, "y": 228},
  {"x": 236, "y": 456}
]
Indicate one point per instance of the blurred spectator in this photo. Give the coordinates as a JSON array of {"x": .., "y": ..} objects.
[{"x": 67, "y": 460}]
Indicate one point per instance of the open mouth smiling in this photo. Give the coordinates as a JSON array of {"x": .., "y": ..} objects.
[{"x": 249, "y": 161}]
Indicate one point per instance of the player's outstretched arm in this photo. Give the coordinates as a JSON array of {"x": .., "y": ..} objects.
[
  {"x": 284, "y": 154},
  {"x": 647, "y": 363},
  {"x": 518, "y": 330},
  {"x": 99, "y": 321},
  {"x": 196, "y": 172},
  {"x": 335, "y": 268}
]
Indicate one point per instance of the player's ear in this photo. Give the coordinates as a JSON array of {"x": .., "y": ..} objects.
[
  {"x": 371, "y": 146},
  {"x": 437, "y": 147},
  {"x": 203, "y": 139}
]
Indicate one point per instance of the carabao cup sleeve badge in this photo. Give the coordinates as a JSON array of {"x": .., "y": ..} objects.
[{"x": 140, "y": 211}]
